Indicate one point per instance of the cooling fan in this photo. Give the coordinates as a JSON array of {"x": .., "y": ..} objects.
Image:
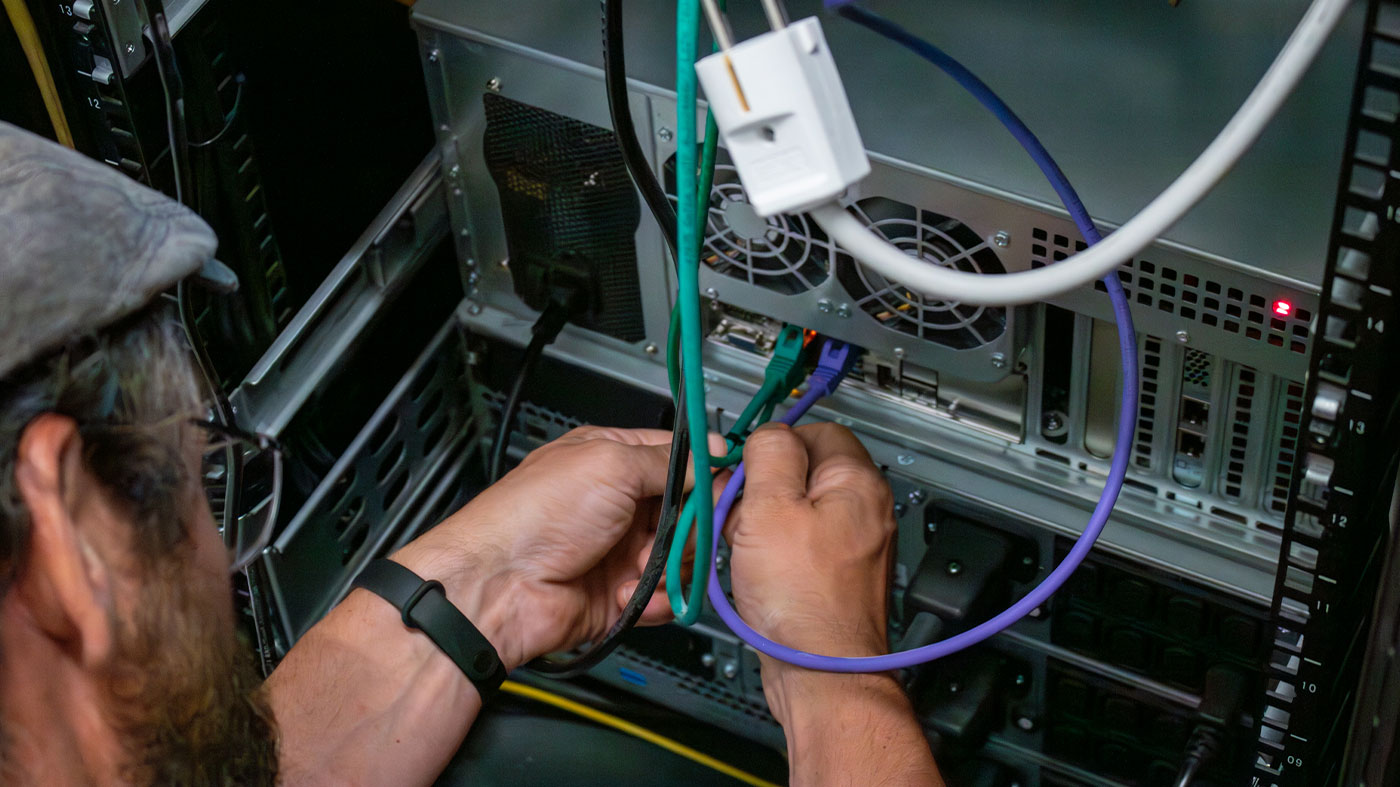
[
  {"x": 786, "y": 253},
  {"x": 937, "y": 240}
]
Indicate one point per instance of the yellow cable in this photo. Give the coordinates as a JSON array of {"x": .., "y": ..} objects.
[
  {"x": 34, "y": 53},
  {"x": 622, "y": 725}
]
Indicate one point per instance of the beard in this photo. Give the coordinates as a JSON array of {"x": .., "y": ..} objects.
[{"x": 187, "y": 697}]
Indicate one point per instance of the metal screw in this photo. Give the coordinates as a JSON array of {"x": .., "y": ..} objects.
[
  {"x": 1183, "y": 337},
  {"x": 433, "y": 55},
  {"x": 464, "y": 232},
  {"x": 954, "y": 687},
  {"x": 1027, "y": 561},
  {"x": 954, "y": 568},
  {"x": 474, "y": 309},
  {"x": 899, "y": 352},
  {"x": 454, "y": 172},
  {"x": 1020, "y": 679},
  {"x": 664, "y": 133},
  {"x": 494, "y": 84},
  {"x": 473, "y": 278},
  {"x": 844, "y": 310},
  {"x": 719, "y": 562},
  {"x": 504, "y": 263},
  {"x": 1026, "y": 723},
  {"x": 711, "y": 293},
  {"x": 917, "y": 496},
  {"x": 999, "y": 360},
  {"x": 1037, "y": 613},
  {"x": 130, "y": 48},
  {"x": 931, "y": 527},
  {"x": 1002, "y": 238},
  {"x": 1052, "y": 422},
  {"x": 904, "y": 460},
  {"x": 707, "y": 659},
  {"x": 899, "y": 509},
  {"x": 650, "y": 349},
  {"x": 731, "y": 670},
  {"x": 824, "y": 306}
]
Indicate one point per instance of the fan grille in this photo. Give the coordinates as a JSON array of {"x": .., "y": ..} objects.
[
  {"x": 935, "y": 239},
  {"x": 785, "y": 253}
]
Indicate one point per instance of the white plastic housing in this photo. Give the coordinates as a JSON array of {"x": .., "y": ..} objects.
[{"x": 784, "y": 118}]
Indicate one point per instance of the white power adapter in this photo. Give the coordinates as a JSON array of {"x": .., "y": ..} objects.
[{"x": 781, "y": 108}]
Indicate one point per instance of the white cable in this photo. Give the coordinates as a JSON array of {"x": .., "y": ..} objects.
[{"x": 1104, "y": 257}]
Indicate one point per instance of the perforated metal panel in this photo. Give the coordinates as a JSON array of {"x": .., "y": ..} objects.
[
  {"x": 566, "y": 201},
  {"x": 400, "y": 468}
]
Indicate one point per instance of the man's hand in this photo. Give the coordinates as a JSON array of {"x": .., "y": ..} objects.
[
  {"x": 543, "y": 560},
  {"x": 547, "y": 557},
  {"x": 812, "y": 551}
]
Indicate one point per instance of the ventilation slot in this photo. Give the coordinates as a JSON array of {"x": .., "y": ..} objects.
[
  {"x": 1191, "y": 297},
  {"x": 1242, "y": 398},
  {"x": 937, "y": 240},
  {"x": 1195, "y": 370},
  {"x": 1289, "y": 421},
  {"x": 1147, "y": 401},
  {"x": 788, "y": 254}
]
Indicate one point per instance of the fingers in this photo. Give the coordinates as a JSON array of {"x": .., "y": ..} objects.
[
  {"x": 657, "y": 611},
  {"x": 624, "y": 436},
  {"x": 840, "y": 466},
  {"x": 828, "y": 441},
  {"x": 775, "y": 460}
]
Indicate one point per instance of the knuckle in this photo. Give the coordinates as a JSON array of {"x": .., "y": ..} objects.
[
  {"x": 579, "y": 433},
  {"x": 771, "y": 439}
]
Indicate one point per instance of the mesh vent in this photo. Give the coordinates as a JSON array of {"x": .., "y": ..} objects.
[
  {"x": 567, "y": 205},
  {"x": 785, "y": 253},
  {"x": 1239, "y": 433},
  {"x": 1195, "y": 368},
  {"x": 1192, "y": 297},
  {"x": 1289, "y": 424},
  {"x": 1147, "y": 401},
  {"x": 935, "y": 239}
]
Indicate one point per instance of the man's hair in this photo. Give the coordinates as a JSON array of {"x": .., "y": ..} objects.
[{"x": 129, "y": 389}]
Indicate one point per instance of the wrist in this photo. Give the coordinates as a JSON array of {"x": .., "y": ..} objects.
[
  {"x": 475, "y": 582},
  {"x": 802, "y": 699}
]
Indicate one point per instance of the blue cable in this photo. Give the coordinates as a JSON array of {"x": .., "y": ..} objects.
[
  {"x": 1127, "y": 417},
  {"x": 991, "y": 101}
]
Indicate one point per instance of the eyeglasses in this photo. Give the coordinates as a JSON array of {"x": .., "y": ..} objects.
[{"x": 242, "y": 476}]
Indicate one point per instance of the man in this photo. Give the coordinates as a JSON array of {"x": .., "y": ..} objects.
[{"x": 118, "y": 658}]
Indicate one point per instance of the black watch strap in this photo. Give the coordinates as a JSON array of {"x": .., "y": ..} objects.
[{"x": 424, "y": 606}]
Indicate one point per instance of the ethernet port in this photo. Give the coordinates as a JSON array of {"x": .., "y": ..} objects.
[
  {"x": 1194, "y": 412},
  {"x": 1188, "y": 469},
  {"x": 1190, "y": 445}
]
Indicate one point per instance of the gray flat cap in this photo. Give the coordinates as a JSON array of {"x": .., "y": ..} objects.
[{"x": 82, "y": 246}]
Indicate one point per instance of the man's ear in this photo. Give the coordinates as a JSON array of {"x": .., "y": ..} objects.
[{"x": 65, "y": 580}]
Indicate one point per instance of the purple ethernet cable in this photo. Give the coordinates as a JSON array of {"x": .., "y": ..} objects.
[{"x": 830, "y": 370}]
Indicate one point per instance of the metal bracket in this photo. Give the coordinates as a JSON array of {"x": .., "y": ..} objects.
[
  {"x": 335, "y": 318},
  {"x": 125, "y": 21}
]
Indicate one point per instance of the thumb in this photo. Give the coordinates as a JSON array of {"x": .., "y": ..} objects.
[{"x": 775, "y": 461}]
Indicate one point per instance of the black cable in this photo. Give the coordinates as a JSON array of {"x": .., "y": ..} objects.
[
  {"x": 620, "y": 111},
  {"x": 168, "y": 70},
  {"x": 1219, "y": 709},
  {"x": 543, "y": 333},
  {"x": 619, "y": 107}
]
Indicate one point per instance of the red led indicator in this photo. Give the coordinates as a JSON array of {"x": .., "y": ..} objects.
[{"x": 1283, "y": 308}]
